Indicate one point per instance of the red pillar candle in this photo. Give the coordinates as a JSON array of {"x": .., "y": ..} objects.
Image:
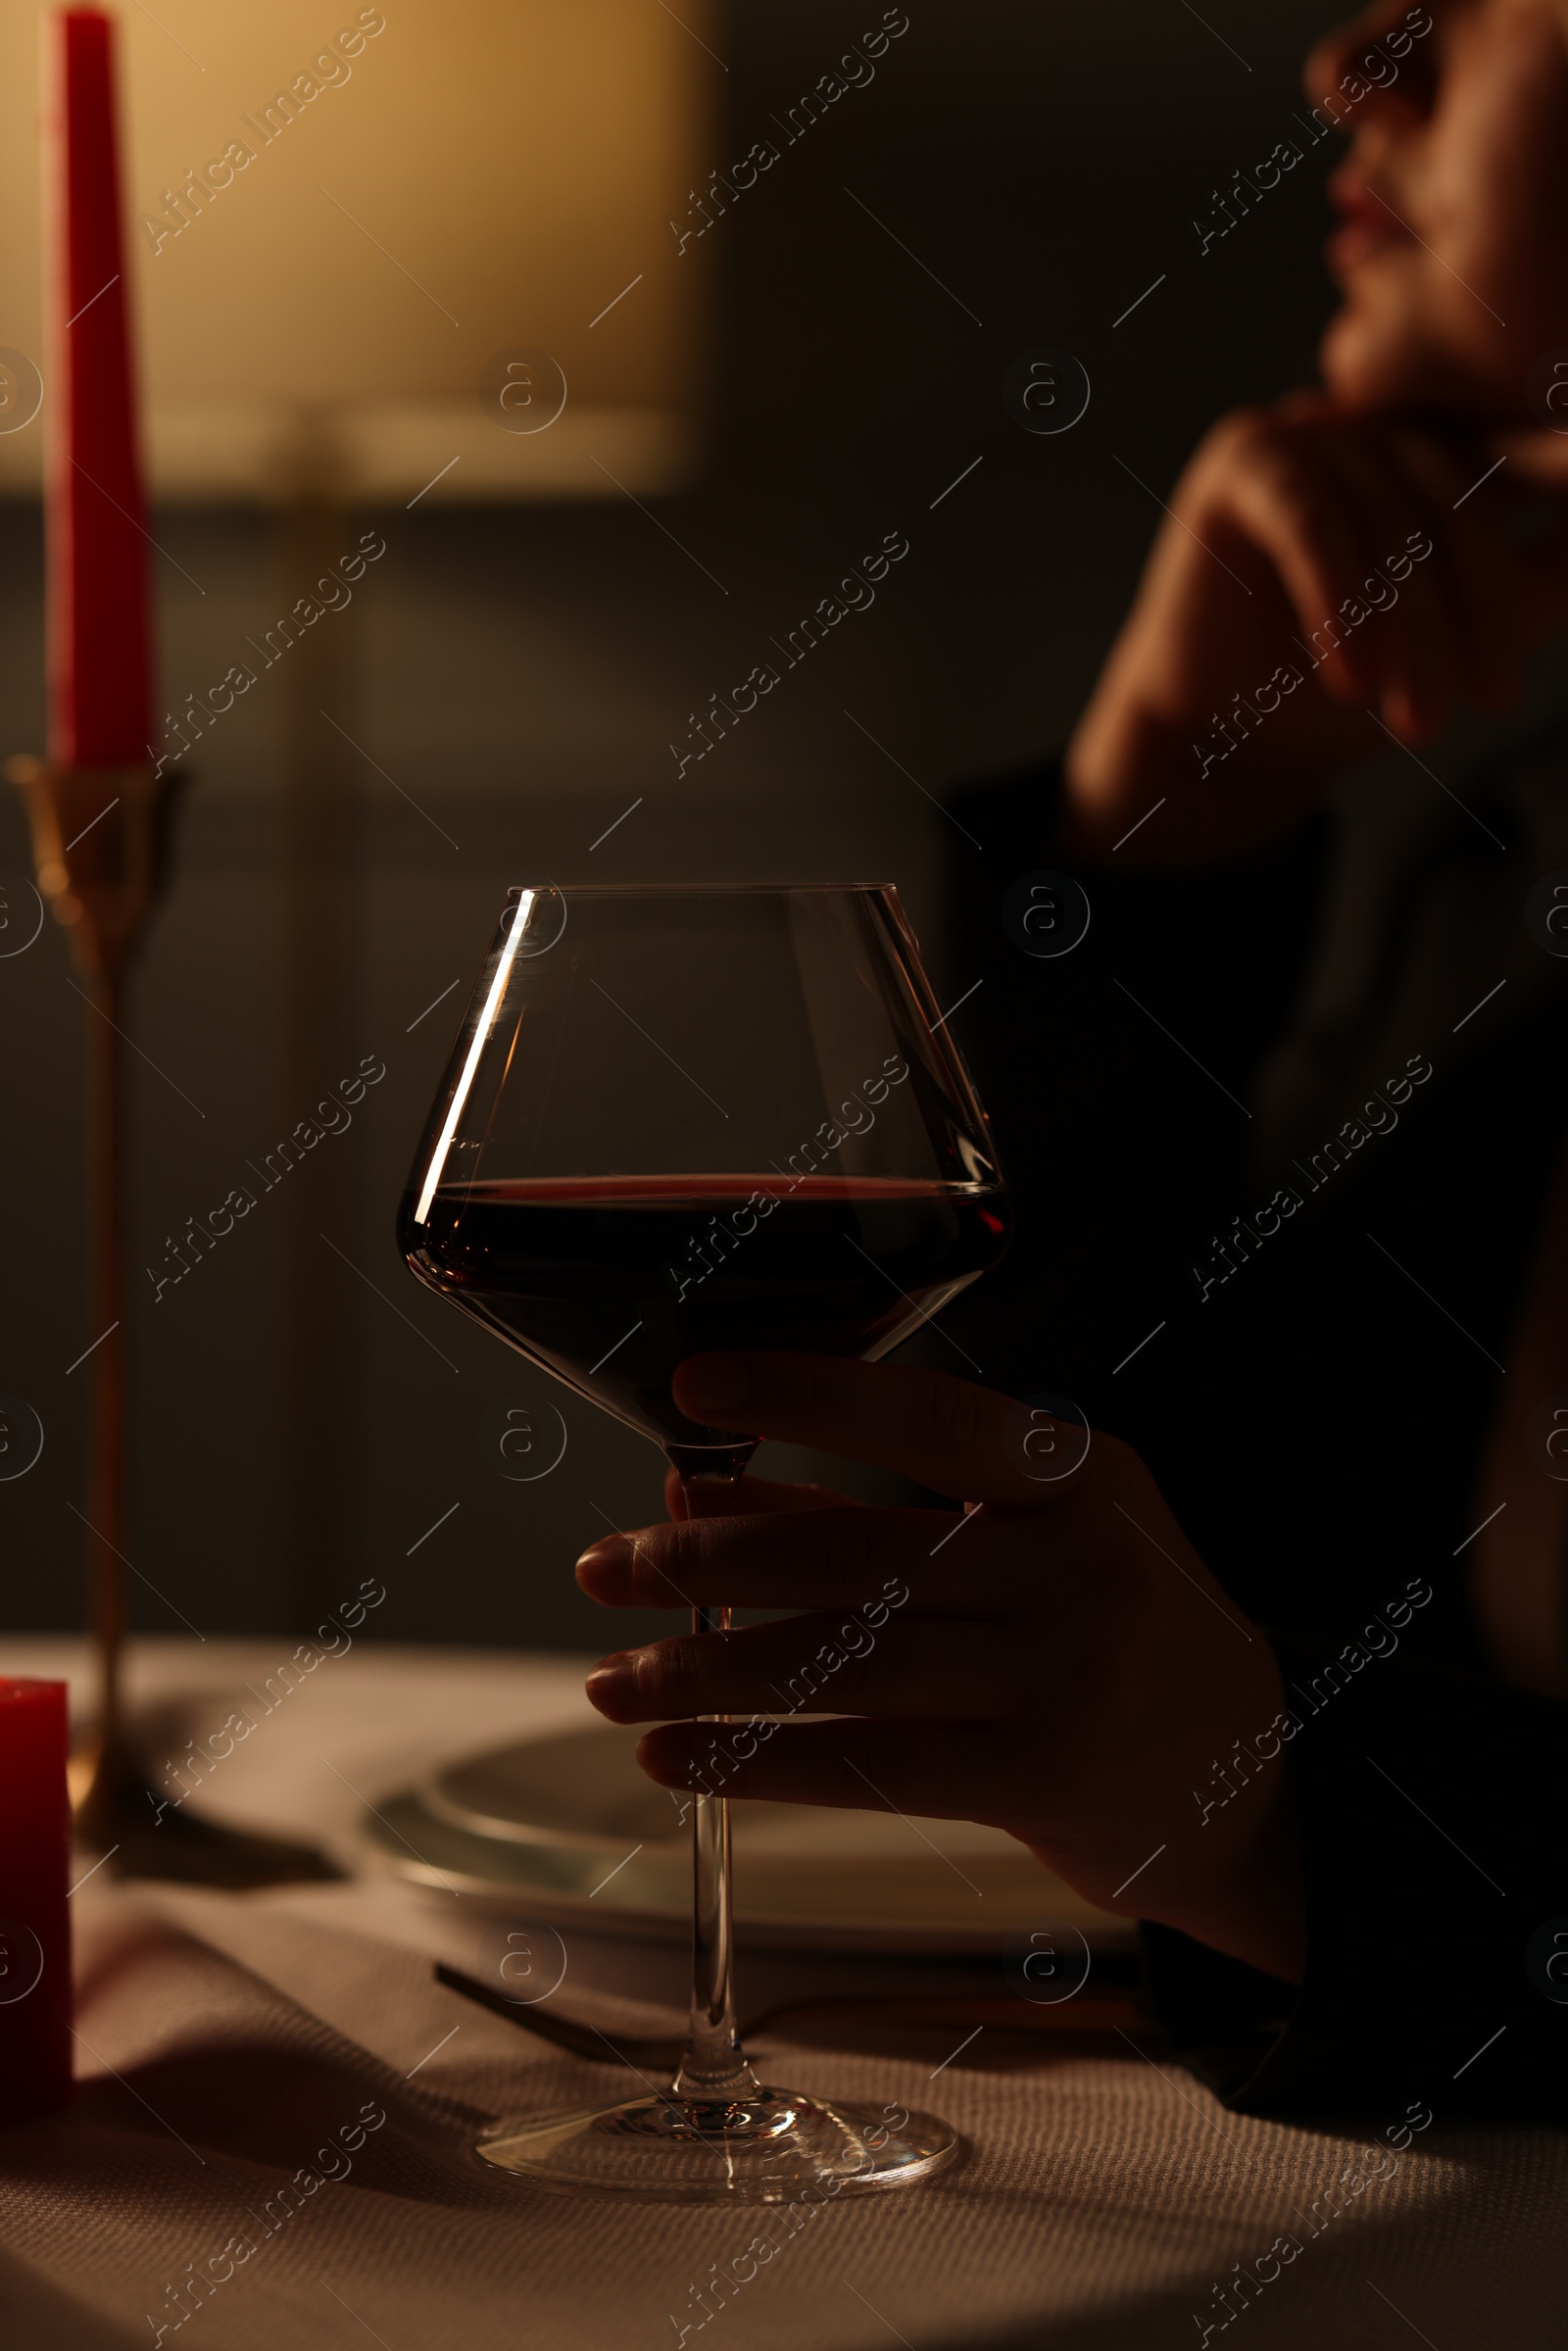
[
  {"x": 100, "y": 703},
  {"x": 35, "y": 1882}
]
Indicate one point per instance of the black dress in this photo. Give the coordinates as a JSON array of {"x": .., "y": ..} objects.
[{"x": 1279, "y": 1184}]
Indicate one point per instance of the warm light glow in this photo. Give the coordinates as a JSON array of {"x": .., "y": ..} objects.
[{"x": 332, "y": 228}]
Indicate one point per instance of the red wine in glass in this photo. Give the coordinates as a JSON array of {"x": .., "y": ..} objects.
[
  {"x": 677, "y": 1122},
  {"x": 611, "y": 1282}
]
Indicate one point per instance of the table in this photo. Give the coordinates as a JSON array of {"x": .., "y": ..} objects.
[{"x": 232, "y": 2044}]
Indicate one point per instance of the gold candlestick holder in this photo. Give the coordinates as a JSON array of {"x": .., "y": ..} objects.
[{"x": 101, "y": 838}]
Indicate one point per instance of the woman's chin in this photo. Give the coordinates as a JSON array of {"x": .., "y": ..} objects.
[
  {"x": 1368, "y": 356},
  {"x": 1370, "y": 359}
]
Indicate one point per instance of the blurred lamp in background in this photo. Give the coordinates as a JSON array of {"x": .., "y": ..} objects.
[
  {"x": 374, "y": 249},
  {"x": 416, "y": 254}
]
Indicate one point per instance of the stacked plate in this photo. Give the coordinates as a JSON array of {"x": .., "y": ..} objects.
[{"x": 569, "y": 1827}]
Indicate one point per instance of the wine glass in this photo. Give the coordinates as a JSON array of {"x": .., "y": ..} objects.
[{"x": 676, "y": 1121}]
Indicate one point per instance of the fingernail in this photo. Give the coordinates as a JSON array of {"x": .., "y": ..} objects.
[
  {"x": 713, "y": 1385},
  {"x": 665, "y": 1762},
  {"x": 606, "y": 1561},
  {"x": 612, "y": 1683}
]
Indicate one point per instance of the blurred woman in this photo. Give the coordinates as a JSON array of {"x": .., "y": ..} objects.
[{"x": 1278, "y": 1668}]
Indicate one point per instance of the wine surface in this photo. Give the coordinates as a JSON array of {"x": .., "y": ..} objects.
[{"x": 609, "y": 1282}]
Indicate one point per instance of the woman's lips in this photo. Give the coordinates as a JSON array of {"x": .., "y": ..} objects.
[{"x": 1368, "y": 224}]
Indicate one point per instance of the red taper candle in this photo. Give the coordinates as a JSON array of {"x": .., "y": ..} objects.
[
  {"x": 34, "y": 1884},
  {"x": 100, "y": 700}
]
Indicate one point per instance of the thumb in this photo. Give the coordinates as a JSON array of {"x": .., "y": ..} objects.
[{"x": 949, "y": 1434}]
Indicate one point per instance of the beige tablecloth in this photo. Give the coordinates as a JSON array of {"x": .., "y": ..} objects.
[{"x": 231, "y": 2043}]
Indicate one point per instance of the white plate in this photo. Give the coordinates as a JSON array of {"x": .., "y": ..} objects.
[{"x": 570, "y": 1828}]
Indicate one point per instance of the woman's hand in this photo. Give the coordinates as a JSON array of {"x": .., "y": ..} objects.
[
  {"x": 1292, "y": 552},
  {"x": 1058, "y": 1663}
]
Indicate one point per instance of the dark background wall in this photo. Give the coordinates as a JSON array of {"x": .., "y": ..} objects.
[{"x": 511, "y": 680}]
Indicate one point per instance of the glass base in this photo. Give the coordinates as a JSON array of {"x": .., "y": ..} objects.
[{"x": 774, "y": 2148}]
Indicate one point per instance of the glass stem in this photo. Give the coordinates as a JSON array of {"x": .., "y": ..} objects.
[{"x": 714, "y": 2066}]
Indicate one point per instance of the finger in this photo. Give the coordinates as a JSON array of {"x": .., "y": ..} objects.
[
  {"x": 1537, "y": 458},
  {"x": 945, "y": 1771},
  {"x": 1297, "y": 513},
  {"x": 1536, "y": 467},
  {"x": 1415, "y": 639},
  {"x": 849, "y": 1558},
  {"x": 936, "y": 1668},
  {"x": 719, "y": 1497},
  {"x": 1473, "y": 561},
  {"x": 951, "y": 1435},
  {"x": 1390, "y": 511}
]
